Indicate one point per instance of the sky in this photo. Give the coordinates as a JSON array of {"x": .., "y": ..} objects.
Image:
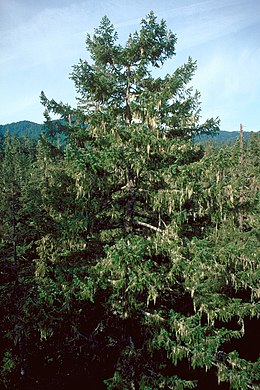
[{"x": 40, "y": 41}]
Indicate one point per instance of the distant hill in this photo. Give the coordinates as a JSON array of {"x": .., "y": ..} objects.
[
  {"x": 33, "y": 130},
  {"x": 23, "y": 128},
  {"x": 228, "y": 137}
]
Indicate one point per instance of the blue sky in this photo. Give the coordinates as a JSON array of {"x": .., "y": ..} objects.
[{"x": 40, "y": 40}]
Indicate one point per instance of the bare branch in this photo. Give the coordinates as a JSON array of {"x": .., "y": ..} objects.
[{"x": 147, "y": 225}]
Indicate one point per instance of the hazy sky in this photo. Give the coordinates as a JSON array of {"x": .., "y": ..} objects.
[{"x": 40, "y": 40}]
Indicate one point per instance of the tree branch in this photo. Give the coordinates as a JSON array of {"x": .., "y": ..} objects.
[{"x": 147, "y": 225}]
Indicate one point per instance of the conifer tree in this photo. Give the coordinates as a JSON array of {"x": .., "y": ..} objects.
[
  {"x": 16, "y": 257},
  {"x": 139, "y": 229}
]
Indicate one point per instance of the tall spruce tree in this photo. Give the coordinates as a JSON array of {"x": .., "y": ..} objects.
[{"x": 130, "y": 269}]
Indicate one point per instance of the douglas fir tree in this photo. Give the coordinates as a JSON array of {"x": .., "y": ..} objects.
[{"x": 133, "y": 273}]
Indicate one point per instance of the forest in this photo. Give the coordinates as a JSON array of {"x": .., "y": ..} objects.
[{"x": 128, "y": 251}]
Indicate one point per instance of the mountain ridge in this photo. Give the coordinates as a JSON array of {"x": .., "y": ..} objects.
[
  {"x": 22, "y": 129},
  {"x": 33, "y": 130}
]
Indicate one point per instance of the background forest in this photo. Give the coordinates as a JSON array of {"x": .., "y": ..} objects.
[{"x": 128, "y": 250}]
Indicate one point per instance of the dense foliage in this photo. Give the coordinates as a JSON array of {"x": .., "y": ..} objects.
[{"x": 129, "y": 252}]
